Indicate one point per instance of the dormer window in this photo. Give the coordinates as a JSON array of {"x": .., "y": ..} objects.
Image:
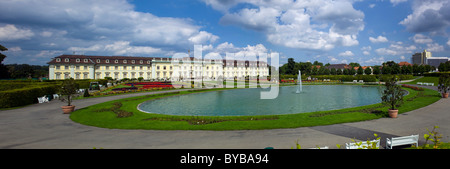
[
  {"x": 58, "y": 59},
  {"x": 98, "y": 60},
  {"x": 124, "y": 61},
  {"x": 132, "y": 61},
  {"x": 66, "y": 60},
  {"x": 148, "y": 62},
  {"x": 141, "y": 61},
  {"x": 116, "y": 61},
  {"x": 78, "y": 60},
  {"x": 107, "y": 60},
  {"x": 85, "y": 60}
]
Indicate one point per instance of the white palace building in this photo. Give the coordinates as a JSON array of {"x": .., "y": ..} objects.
[{"x": 152, "y": 68}]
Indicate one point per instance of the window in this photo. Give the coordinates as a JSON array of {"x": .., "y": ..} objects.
[
  {"x": 78, "y": 60},
  {"x": 116, "y": 67},
  {"x": 124, "y": 61},
  {"x": 141, "y": 62},
  {"x": 85, "y": 60},
  {"x": 66, "y": 60},
  {"x": 164, "y": 67},
  {"x": 98, "y": 60},
  {"x": 78, "y": 67},
  {"x": 107, "y": 60},
  {"x": 157, "y": 67},
  {"x": 124, "y": 67},
  {"x": 148, "y": 62},
  {"x": 58, "y": 59},
  {"x": 66, "y": 67},
  {"x": 116, "y": 61},
  {"x": 133, "y": 62},
  {"x": 57, "y": 67},
  {"x": 132, "y": 67},
  {"x": 106, "y": 67}
]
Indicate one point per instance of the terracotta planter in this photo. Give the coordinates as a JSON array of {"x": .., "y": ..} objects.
[
  {"x": 68, "y": 109},
  {"x": 393, "y": 113},
  {"x": 444, "y": 95}
]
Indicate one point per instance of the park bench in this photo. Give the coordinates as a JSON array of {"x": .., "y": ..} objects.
[
  {"x": 397, "y": 141},
  {"x": 361, "y": 81},
  {"x": 42, "y": 99},
  {"x": 364, "y": 143},
  {"x": 355, "y": 81},
  {"x": 326, "y": 147},
  {"x": 419, "y": 83}
]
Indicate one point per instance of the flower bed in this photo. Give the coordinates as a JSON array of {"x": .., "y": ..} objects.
[{"x": 413, "y": 87}]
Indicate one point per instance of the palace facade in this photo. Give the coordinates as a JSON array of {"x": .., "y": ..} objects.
[{"x": 152, "y": 68}]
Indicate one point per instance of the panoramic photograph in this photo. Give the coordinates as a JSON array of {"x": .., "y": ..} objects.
[{"x": 249, "y": 76}]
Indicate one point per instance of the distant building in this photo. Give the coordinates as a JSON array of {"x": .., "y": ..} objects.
[
  {"x": 339, "y": 66},
  {"x": 401, "y": 64},
  {"x": 420, "y": 58},
  {"x": 435, "y": 61}
]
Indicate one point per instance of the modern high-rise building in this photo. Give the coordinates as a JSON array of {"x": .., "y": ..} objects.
[
  {"x": 420, "y": 58},
  {"x": 435, "y": 61}
]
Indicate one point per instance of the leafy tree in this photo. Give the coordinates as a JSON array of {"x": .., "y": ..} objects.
[
  {"x": 333, "y": 71},
  {"x": 290, "y": 66},
  {"x": 360, "y": 71},
  {"x": 376, "y": 70},
  {"x": 368, "y": 71},
  {"x": 68, "y": 88},
  {"x": 3, "y": 70},
  {"x": 393, "y": 94},
  {"x": 339, "y": 72},
  {"x": 352, "y": 64}
]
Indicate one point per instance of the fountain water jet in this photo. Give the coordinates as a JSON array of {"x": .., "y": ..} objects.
[{"x": 299, "y": 81}]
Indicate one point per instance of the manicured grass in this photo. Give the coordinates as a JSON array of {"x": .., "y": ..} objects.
[
  {"x": 104, "y": 115},
  {"x": 434, "y": 80}
]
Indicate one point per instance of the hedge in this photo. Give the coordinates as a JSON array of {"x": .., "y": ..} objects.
[
  {"x": 435, "y": 74},
  {"x": 25, "y": 96}
]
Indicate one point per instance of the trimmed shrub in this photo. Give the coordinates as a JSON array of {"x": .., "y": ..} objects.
[{"x": 25, "y": 96}]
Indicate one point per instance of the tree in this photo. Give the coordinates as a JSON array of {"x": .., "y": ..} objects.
[
  {"x": 393, "y": 94},
  {"x": 290, "y": 66},
  {"x": 339, "y": 72},
  {"x": 3, "y": 69},
  {"x": 368, "y": 71},
  {"x": 333, "y": 71},
  {"x": 443, "y": 67},
  {"x": 352, "y": 71},
  {"x": 346, "y": 72},
  {"x": 376, "y": 70},
  {"x": 68, "y": 88},
  {"x": 360, "y": 71},
  {"x": 386, "y": 70},
  {"x": 352, "y": 64},
  {"x": 318, "y": 63}
]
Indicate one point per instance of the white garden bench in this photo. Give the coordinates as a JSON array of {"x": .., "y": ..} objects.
[
  {"x": 326, "y": 147},
  {"x": 361, "y": 81},
  {"x": 419, "y": 83},
  {"x": 43, "y": 99},
  {"x": 398, "y": 141},
  {"x": 55, "y": 96},
  {"x": 355, "y": 81},
  {"x": 364, "y": 143}
]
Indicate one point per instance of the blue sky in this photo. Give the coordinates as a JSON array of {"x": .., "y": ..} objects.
[{"x": 342, "y": 31}]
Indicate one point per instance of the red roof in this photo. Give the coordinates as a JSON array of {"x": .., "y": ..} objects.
[{"x": 404, "y": 64}]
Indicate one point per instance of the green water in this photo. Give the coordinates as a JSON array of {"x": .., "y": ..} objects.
[{"x": 243, "y": 102}]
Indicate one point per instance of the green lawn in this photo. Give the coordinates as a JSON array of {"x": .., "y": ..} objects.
[
  {"x": 107, "y": 114},
  {"x": 434, "y": 80}
]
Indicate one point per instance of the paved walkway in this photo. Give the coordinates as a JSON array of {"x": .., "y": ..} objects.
[{"x": 44, "y": 126}]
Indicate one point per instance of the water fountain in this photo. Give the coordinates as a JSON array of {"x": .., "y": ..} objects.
[{"x": 299, "y": 81}]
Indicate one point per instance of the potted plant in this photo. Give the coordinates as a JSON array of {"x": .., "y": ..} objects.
[
  {"x": 68, "y": 88},
  {"x": 392, "y": 96},
  {"x": 444, "y": 85}
]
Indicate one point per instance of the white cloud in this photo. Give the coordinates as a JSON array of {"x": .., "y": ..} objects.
[
  {"x": 11, "y": 32},
  {"x": 347, "y": 53},
  {"x": 419, "y": 38},
  {"x": 318, "y": 24},
  {"x": 402, "y": 57},
  {"x": 118, "y": 48},
  {"x": 435, "y": 47},
  {"x": 448, "y": 42},
  {"x": 375, "y": 61},
  {"x": 379, "y": 39},
  {"x": 93, "y": 24},
  {"x": 396, "y": 2},
  {"x": 428, "y": 16},
  {"x": 396, "y": 49},
  {"x": 372, "y": 5}
]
